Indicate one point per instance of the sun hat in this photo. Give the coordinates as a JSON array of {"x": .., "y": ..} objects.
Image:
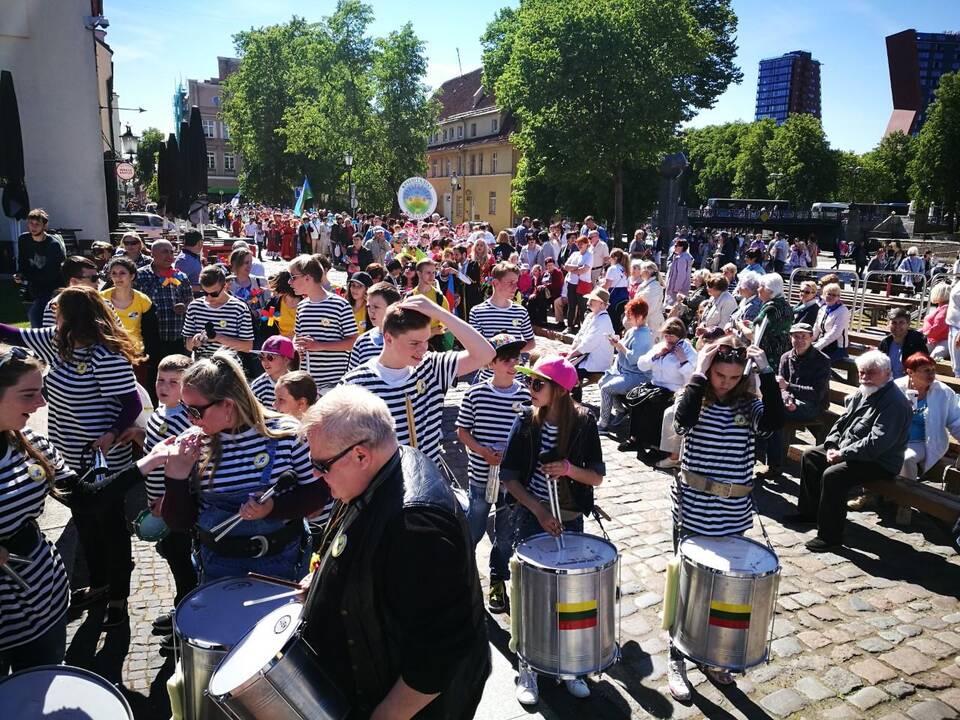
[
  {"x": 599, "y": 294},
  {"x": 556, "y": 369},
  {"x": 277, "y": 345},
  {"x": 507, "y": 345}
]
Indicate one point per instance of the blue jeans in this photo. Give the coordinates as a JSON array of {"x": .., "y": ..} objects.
[
  {"x": 613, "y": 388},
  {"x": 35, "y": 313},
  {"x": 48, "y": 649},
  {"x": 502, "y": 530}
]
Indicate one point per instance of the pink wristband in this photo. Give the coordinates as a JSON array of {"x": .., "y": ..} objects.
[{"x": 566, "y": 469}]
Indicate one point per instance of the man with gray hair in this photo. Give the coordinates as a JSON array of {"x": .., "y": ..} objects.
[
  {"x": 396, "y": 602},
  {"x": 866, "y": 443}
]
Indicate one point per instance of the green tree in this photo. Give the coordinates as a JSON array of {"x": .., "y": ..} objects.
[
  {"x": 712, "y": 152},
  {"x": 935, "y": 168},
  {"x": 750, "y": 173},
  {"x": 150, "y": 143},
  {"x": 599, "y": 86},
  {"x": 800, "y": 154},
  {"x": 891, "y": 161}
]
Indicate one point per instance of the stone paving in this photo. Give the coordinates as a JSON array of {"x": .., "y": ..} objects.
[{"x": 872, "y": 631}]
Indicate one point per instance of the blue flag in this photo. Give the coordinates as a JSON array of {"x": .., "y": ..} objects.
[{"x": 305, "y": 194}]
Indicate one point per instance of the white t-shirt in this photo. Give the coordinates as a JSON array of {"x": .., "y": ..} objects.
[{"x": 616, "y": 276}]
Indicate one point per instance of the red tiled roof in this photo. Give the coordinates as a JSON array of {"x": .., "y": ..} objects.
[{"x": 461, "y": 95}]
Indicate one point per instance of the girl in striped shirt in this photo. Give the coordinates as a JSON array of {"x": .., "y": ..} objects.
[
  {"x": 720, "y": 418},
  {"x": 277, "y": 356}
]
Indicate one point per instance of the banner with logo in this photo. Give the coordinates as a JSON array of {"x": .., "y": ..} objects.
[{"x": 417, "y": 197}]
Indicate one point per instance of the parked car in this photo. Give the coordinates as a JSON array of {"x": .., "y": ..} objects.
[{"x": 148, "y": 225}]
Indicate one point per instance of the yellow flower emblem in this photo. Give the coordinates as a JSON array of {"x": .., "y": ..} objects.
[
  {"x": 260, "y": 460},
  {"x": 339, "y": 544},
  {"x": 36, "y": 473},
  {"x": 81, "y": 368}
]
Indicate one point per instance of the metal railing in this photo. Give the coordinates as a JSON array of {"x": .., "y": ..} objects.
[{"x": 862, "y": 307}]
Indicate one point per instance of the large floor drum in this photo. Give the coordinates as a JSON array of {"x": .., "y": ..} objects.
[
  {"x": 568, "y": 604},
  {"x": 62, "y": 692},
  {"x": 726, "y": 600},
  {"x": 208, "y": 623}
]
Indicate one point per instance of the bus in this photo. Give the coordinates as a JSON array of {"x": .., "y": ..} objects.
[
  {"x": 747, "y": 208},
  {"x": 828, "y": 210}
]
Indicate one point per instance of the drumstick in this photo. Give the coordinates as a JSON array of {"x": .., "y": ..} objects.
[
  {"x": 274, "y": 580},
  {"x": 15, "y": 576},
  {"x": 18, "y": 559},
  {"x": 411, "y": 423},
  {"x": 278, "y": 596}
]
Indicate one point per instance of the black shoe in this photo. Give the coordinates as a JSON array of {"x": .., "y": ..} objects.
[
  {"x": 166, "y": 644},
  {"x": 85, "y": 597},
  {"x": 798, "y": 519},
  {"x": 116, "y": 614},
  {"x": 498, "y": 602},
  {"x": 163, "y": 625},
  {"x": 628, "y": 446},
  {"x": 818, "y": 544}
]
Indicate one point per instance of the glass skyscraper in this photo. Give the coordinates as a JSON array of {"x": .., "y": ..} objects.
[{"x": 787, "y": 85}]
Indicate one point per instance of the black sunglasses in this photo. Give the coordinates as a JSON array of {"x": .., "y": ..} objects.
[
  {"x": 323, "y": 466},
  {"x": 15, "y": 353},
  {"x": 215, "y": 293},
  {"x": 196, "y": 412},
  {"x": 731, "y": 354},
  {"x": 537, "y": 384}
]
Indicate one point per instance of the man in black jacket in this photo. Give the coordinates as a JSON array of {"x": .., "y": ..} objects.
[
  {"x": 39, "y": 256},
  {"x": 902, "y": 342},
  {"x": 395, "y": 608}
]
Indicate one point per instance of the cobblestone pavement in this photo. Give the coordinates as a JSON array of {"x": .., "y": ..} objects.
[{"x": 870, "y": 632}]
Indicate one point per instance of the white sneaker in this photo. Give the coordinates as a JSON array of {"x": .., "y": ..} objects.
[
  {"x": 527, "y": 691},
  {"x": 578, "y": 687},
  {"x": 667, "y": 464},
  {"x": 677, "y": 680}
]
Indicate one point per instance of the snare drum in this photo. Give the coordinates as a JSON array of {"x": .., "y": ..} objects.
[
  {"x": 150, "y": 527},
  {"x": 273, "y": 673},
  {"x": 567, "y": 604},
  {"x": 208, "y": 623},
  {"x": 61, "y": 691},
  {"x": 726, "y": 598}
]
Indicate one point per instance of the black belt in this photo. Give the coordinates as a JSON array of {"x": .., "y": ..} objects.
[
  {"x": 255, "y": 546},
  {"x": 24, "y": 540}
]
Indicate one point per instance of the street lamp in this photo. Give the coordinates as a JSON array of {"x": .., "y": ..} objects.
[
  {"x": 348, "y": 161},
  {"x": 454, "y": 186},
  {"x": 856, "y": 177},
  {"x": 129, "y": 143}
]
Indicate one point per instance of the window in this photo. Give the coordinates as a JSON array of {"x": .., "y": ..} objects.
[
  {"x": 493, "y": 163},
  {"x": 208, "y": 128},
  {"x": 480, "y": 165},
  {"x": 229, "y": 163},
  {"x": 492, "y": 205},
  {"x": 459, "y": 164},
  {"x": 216, "y": 101},
  {"x": 444, "y": 135},
  {"x": 473, "y": 164},
  {"x": 435, "y": 168},
  {"x": 494, "y": 125},
  {"x": 473, "y": 129},
  {"x": 211, "y": 161},
  {"x": 225, "y": 131},
  {"x": 448, "y": 169},
  {"x": 460, "y": 131}
]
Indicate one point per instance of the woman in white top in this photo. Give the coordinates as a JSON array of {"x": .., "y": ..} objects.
[
  {"x": 591, "y": 351},
  {"x": 616, "y": 281},
  {"x": 936, "y": 411},
  {"x": 719, "y": 308},
  {"x": 953, "y": 322},
  {"x": 830, "y": 333},
  {"x": 651, "y": 290}
]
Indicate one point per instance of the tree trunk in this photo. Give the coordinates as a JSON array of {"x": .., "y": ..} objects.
[{"x": 617, "y": 205}]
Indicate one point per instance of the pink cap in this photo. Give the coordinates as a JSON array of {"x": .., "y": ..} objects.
[
  {"x": 278, "y": 345},
  {"x": 556, "y": 369}
]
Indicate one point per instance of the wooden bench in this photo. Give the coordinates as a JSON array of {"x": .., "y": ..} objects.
[{"x": 906, "y": 493}]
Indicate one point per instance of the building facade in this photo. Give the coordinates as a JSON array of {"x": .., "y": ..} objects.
[
  {"x": 916, "y": 62},
  {"x": 62, "y": 74},
  {"x": 788, "y": 85},
  {"x": 223, "y": 163},
  {"x": 471, "y": 161}
]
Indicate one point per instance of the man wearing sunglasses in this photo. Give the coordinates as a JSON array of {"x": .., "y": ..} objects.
[
  {"x": 39, "y": 256},
  {"x": 76, "y": 270},
  {"x": 396, "y": 602}
]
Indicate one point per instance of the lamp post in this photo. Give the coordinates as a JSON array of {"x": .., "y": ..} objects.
[
  {"x": 128, "y": 145},
  {"x": 454, "y": 186},
  {"x": 856, "y": 181},
  {"x": 351, "y": 191}
]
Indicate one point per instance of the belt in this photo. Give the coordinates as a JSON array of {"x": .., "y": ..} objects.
[
  {"x": 255, "y": 546},
  {"x": 715, "y": 487},
  {"x": 23, "y": 540}
]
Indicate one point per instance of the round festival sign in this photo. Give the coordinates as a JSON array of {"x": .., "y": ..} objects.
[{"x": 417, "y": 197}]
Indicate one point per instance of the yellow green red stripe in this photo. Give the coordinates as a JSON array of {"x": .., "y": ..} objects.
[
  {"x": 729, "y": 615},
  {"x": 577, "y": 616}
]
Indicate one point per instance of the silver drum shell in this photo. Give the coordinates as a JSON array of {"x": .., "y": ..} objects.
[{"x": 542, "y": 644}]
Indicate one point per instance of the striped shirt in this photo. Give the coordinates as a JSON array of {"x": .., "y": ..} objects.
[
  {"x": 490, "y": 320},
  {"x": 327, "y": 320},
  {"x": 721, "y": 446},
  {"x": 548, "y": 442},
  {"x": 27, "y": 616},
  {"x": 488, "y": 413},
  {"x": 231, "y": 319},
  {"x": 366, "y": 347},
  {"x": 83, "y": 397},
  {"x": 164, "y": 422},
  {"x": 264, "y": 388},
  {"x": 423, "y": 386}
]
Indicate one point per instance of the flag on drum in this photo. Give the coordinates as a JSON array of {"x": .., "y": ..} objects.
[
  {"x": 728, "y": 615},
  {"x": 577, "y": 616}
]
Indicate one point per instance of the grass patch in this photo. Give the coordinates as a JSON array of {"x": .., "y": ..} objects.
[{"x": 12, "y": 309}]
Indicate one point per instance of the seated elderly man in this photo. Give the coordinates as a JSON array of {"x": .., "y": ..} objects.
[
  {"x": 902, "y": 342},
  {"x": 867, "y": 442}
]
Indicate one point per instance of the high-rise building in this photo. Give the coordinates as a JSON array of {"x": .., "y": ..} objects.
[
  {"x": 917, "y": 60},
  {"x": 789, "y": 84}
]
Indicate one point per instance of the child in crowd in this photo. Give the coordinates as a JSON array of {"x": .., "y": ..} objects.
[
  {"x": 295, "y": 393},
  {"x": 277, "y": 356},
  {"x": 487, "y": 414}
]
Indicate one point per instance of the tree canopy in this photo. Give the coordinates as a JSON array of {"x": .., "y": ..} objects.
[
  {"x": 935, "y": 168},
  {"x": 150, "y": 143}
]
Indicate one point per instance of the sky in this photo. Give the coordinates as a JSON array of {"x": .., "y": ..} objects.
[{"x": 154, "y": 47}]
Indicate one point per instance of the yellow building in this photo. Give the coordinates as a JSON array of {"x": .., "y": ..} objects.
[{"x": 470, "y": 159}]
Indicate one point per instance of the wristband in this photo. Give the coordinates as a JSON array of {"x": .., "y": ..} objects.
[{"x": 566, "y": 468}]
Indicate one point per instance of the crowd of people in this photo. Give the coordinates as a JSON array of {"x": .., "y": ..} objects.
[{"x": 291, "y": 404}]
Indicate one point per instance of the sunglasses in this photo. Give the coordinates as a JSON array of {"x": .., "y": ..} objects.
[
  {"x": 323, "y": 466},
  {"x": 732, "y": 354},
  {"x": 537, "y": 384},
  {"x": 131, "y": 242},
  {"x": 268, "y": 356},
  {"x": 15, "y": 353},
  {"x": 196, "y": 412},
  {"x": 215, "y": 293}
]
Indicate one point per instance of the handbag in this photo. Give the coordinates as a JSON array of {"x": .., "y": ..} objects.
[
  {"x": 645, "y": 393},
  {"x": 584, "y": 287}
]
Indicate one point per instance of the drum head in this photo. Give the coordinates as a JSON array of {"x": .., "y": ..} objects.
[
  {"x": 256, "y": 650},
  {"x": 61, "y": 691},
  {"x": 214, "y": 613},
  {"x": 579, "y": 552},
  {"x": 730, "y": 554},
  {"x": 149, "y": 527}
]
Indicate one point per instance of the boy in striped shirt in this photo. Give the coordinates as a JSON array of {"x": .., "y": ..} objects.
[{"x": 487, "y": 415}]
